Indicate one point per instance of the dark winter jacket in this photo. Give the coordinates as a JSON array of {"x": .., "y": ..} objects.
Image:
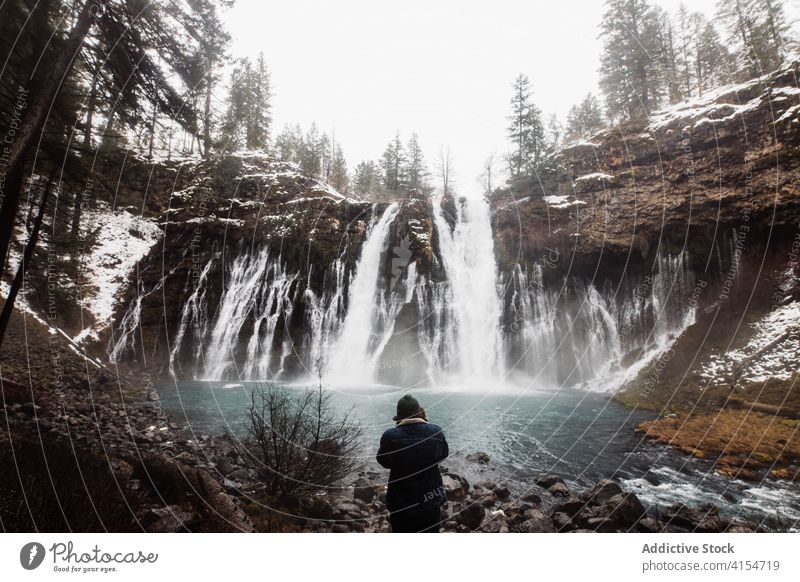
[{"x": 412, "y": 451}]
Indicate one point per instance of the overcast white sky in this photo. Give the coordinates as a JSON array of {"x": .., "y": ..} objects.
[{"x": 365, "y": 69}]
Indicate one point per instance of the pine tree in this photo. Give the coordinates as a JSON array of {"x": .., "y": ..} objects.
[
  {"x": 525, "y": 130},
  {"x": 758, "y": 31},
  {"x": 288, "y": 143},
  {"x": 366, "y": 179},
  {"x": 310, "y": 157},
  {"x": 685, "y": 66},
  {"x": 629, "y": 75},
  {"x": 338, "y": 174},
  {"x": 248, "y": 118},
  {"x": 584, "y": 119},
  {"x": 712, "y": 61},
  {"x": 667, "y": 58},
  {"x": 416, "y": 173},
  {"x": 392, "y": 164}
]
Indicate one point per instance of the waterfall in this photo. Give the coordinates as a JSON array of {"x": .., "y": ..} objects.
[
  {"x": 194, "y": 314},
  {"x": 353, "y": 353},
  {"x": 467, "y": 252},
  {"x": 271, "y": 323},
  {"x": 579, "y": 335},
  {"x": 324, "y": 316},
  {"x": 257, "y": 299},
  {"x": 125, "y": 342}
]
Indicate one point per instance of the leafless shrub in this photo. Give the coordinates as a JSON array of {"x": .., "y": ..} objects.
[{"x": 298, "y": 443}]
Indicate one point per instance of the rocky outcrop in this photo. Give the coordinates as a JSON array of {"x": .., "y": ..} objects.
[
  {"x": 686, "y": 177},
  {"x": 215, "y": 212}
]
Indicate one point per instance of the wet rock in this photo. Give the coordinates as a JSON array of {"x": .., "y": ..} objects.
[
  {"x": 623, "y": 509},
  {"x": 536, "y": 522},
  {"x": 225, "y": 467},
  {"x": 532, "y": 498},
  {"x": 346, "y": 509},
  {"x": 601, "y": 492},
  {"x": 703, "y": 519},
  {"x": 600, "y": 524},
  {"x": 471, "y": 515},
  {"x": 562, "y": 521},
  {"x": 570, "y": 506},
  {"x": 478, "y": 457},
  {"x": 502, "y": 493},
  {"x": 496, "y": 524},
  {"x": 559, "y": 490},
  {"x": 316, "y": 507},
  {"x": 455, "y": 486},
  {"x": 648, "y": 525},
  {"x": 232, "y": 487},
  {"x": 364, "y": 490},
  {"x": 547, "y": 480},
  {"x": 168, "y": 519}
]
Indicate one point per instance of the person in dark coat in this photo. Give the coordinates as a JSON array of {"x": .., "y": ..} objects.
[{"x": 412, "y": 451}]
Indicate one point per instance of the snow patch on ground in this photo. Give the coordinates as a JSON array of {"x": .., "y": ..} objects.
[
  {"x": 781, "y": 325},
  {"x": 122, "y": 239}
]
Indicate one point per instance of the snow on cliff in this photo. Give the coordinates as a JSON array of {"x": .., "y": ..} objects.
[
  {"x": 770, "y": 353},
  {"x": 726, "y": 103},
  {"x": 119, "y": 240}
]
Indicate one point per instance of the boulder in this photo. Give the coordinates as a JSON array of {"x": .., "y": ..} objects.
[
  {"x": 478, "y": 457},
  {"x": 364, "y": 490},
  {"x": 471, "y": 515},
  {"x": 703, "y": 519},
  {"x": 532, "y": 498},
  {"x": 562, "y": 521},
  {"x": 571, "y": 506},
  {"x": 455, "y": 486},
  {"x": 316, "y": 507},
  {"x": 601, "y": 492},
  {"x": 535, "y": 522},
  {"x": 623, "y": 509},
  {"x": 547, "y": 480},
  {"x": 502, "y": 492},
  {"x": 559, "y": 490}
]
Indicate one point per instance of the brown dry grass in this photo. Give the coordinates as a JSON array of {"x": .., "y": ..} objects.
[{"x": 741, "y": 442}]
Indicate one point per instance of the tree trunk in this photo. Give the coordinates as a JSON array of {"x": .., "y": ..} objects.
[
  {"x": 32, "y": 124},
  {"x": 19, "y": 279},
  {"x": 87, "y": 131},
  {"x": 207, "y": 112}
]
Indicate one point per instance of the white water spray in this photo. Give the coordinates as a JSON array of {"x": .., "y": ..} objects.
[
  {"x": 350, "y": 359},
  {"x": 475, "y": 355}
]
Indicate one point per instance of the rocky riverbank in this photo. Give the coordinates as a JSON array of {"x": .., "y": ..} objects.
[{"x": 172, "y": 479}]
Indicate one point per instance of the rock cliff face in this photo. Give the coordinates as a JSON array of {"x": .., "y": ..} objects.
[
  {"x": 694, "y": 213},
  {"x": 252, "y": 251},
  {"x": 686, "y": 178}
]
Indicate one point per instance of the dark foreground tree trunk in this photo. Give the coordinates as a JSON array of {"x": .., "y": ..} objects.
[
  {"x": 33, "y": 122},
  {"x": 19, "y": 279}
]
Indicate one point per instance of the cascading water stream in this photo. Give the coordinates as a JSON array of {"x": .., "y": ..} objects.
[
  {"x": 475, "y": 354},
  {"x": 350, "y": 360}
]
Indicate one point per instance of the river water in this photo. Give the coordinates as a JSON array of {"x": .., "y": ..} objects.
[{"x": 582, "y": 436}]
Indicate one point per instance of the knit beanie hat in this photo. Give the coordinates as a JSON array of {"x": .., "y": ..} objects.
[{"x": 407, "y": 406}]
